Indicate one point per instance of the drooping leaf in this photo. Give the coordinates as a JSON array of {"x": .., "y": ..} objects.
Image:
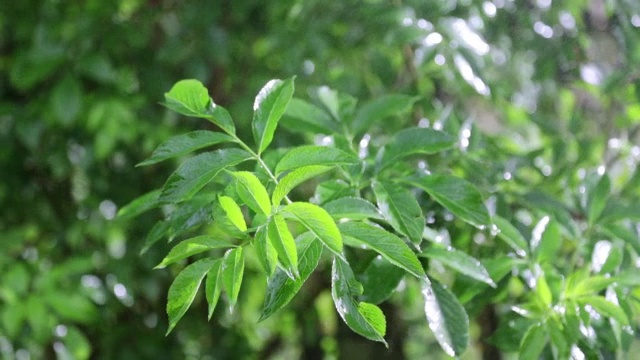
[
  {"x": 232, "y": 273},
  {"x": 446, "y": 317},
  {"x": 269, "y": 105},
  {"x": 456, "y": 195},
  {"x": 213, "y": 286},
  {"x": 184, "y": 144},
  {"x": 233, "y": 212},
  {"x": 281, "y": 288},
  {"x": 192, "y": 246},
  {"x": 295, "y": 178},
  {"x": 416, "y": 140},
  {"x": 605, "y": 308},
  {"x": 381, "y": 108},
  {"x": 459, "y": 261},
  {"x": 352, "y": 208},
  {"x": 385, "y": 243},
  {"x": 198, "y": 171},
  {"x": 401, "y": 209},
  {"x": 304, "y": 117},
  {"x": 183, "y": 289},
  {"x": 139, "y": 205},
  {"x": 267, "y": 254},
  {"x": 282, "y": 240},
  {"x": 511, "y": 235},
  {"x": 252, "y": 192},
  {"x": 318, "y": 221},
  {"x": 314, "y": 155},
  {"x": 363, "y": 318},
  {"x": 379, "y": 280},
  {"x": 533, "y": 342}
]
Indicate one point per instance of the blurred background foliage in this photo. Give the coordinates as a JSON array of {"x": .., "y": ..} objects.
[{"x": 544, "y": 95}]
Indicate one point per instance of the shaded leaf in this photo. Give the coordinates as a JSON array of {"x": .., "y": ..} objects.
[
  {"x": 379, "y": 280},
  {"x": 605, "y": 308},
  {"x": 184, "y": 144},
  {"x": 213, "y": 286},
  {"x": 533, "y": 342},
  {"x": 304, "y": 117},
  {"x": 192, "y": 246},
  {"x": 401, "y": 209},
  {"x": 318, "y": 221},
  {"x": 183, "y": 289},
  {"x": 139, "y": 205},
  {"x": 446, "y": 317},
  {"x": 459, "y": 261},
  {"x": 381, "y": 108},
  {"x": 314, "y": 155},
  {"x": 511, "y": 235},
  {"x": 232, "y": 273},
  {"x": 386, "y": 244},
  {"x": 416, "y": 140},
  {"x": 352, "y": 208},
  {"x": 282, "y": 240},
  {"x": 456, "y": 195},
  {"x": 267, "y": 254},
  {"x": 598, "y": 198},
  {"x": 295, "y": 178},
  {"x": 252, "y": 192},
  {"x": 363, "y": 318},
  {"x": 269, "y": 105},
  {"x": 198, "y": 171}
]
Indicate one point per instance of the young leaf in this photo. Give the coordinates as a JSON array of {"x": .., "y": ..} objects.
[
  {"x": 269, "y": 105},
  {"x": 252, "y": 192},
  {"x": 352, "y": 208},
  {"x": 183, "y": 289},
  {"x": 363, "y": 318},
  {"x": 282, "y": 240},
  {"x": 386, "y": 244},
  {"x": 458, "y": 196},
  {"x": 232, "y": 273},
  {"x": 416, "y": 140},
  {"x": 267, "y": 254},
  {"x": 192, "y": 246},
  {"x": 233, "y": 212},
  {"x": 533, "y": 342},
  {"x": 304, "y": 117},
  {"x": 318, "y": 221},
  {"x": 314, "y": 155},
  {"x": 381, "y": 108},
  {"x": 198, "y": 171},
  {"x": 184, "y": 144},
  {"x": 281, "y": 288},
  {"x": 446, "y": 317},
  {"x": 511, "y": 235},
  {"x": 293, "y": 179},
  {"x": 213, "y": 286},
  {"x": 459, "y": 261},
  {"x": 379, "y": 280},
  {"x": 139, "y": 205},
  {"x": 605, "y": 308},
  {"x": 401, "y": 209}
]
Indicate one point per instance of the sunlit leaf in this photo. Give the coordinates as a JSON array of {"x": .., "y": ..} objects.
[
  {"x": 184, "y": 144},
  {"x": 269, "y": 105},
  {"x": 401, "y": 209},
  {"x": 352, "y": 208},
  {"x": 295, "y": 178},
  {"x": 232, "y": 274},
  {"x": 191, "y": 247},
  {"x": 282, "y": 240},
  {"x": 213, "y": 286},
  {"x": 267, "y": 254},
  {"x": 318, "y": 222},
  {"x": 139, "y": 205},
  {"x": 314, "y": 155},
  {"x": 446, "y": 317},
  {"x": 252, "y": 192},
  {"x": 233, "y": 212},
  {"x": 605, "y": 307}
]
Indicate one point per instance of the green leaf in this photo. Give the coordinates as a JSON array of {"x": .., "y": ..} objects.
[
  {"x": 598, "y": 198},
  {"x": 233, "y": 212},
  {"x": 511, "y": 235},
  {"x": 590, "y": 286},
  {"x": 386, "y": 244},
  {"x": 189, "y": 97},
  {"x": 314, "y": 155},
  {"x": 213, "y": 286},
  {"x": 282, "y": 240},
  {"x": 546, "y": 240},
  {"x": 305, "y": 117},
  {"x": 281, "y": 288},
  {"x": 269, "y": 105},
  {"x": 319, "y": 222},
  {"x": 381, "y": 108},
  {"x": 267, "y": 254},
  {"x": 363, "y": 318},
  {"x": 416, "y": 140},
  {"x": 456, "y": 195},
  {"x": 533, "y": 342},
  {"x": 139, "y": 205},
  {"x": 379, "y": 280},
  {"x": 232, "y": 273},
  {"x": 184, "y": 144},
  {"x": 183, "y": 289},
  {"x": 352, "y": 208},
  {"x": 401, "y": 209},
  {"x": 446, "y": 317},
  {"x": 198, "y": 171},
  {"x": 459, "y": 261},
  {"x": 192, "y": 246},
  {"x": 293, "y": 179},
  {"x": 252, "y": 192}
]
